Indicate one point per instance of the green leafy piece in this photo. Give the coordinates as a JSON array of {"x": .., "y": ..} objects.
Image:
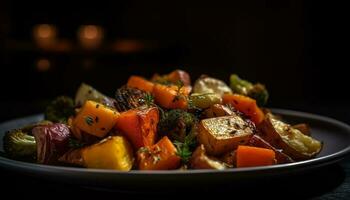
[
  {"x": 60, "y": 109},
  {"x": 185, "y": 148},
  {"x": 89, "y": 120},
  {"x": 256, "y": 91},
  {"x": 148, "y": 99}
]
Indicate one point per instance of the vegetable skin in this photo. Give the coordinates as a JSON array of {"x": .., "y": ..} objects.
[{"x": 52, "y": 142}]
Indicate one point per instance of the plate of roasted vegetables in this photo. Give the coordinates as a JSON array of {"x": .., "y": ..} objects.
[{"x": 167, "y": 128}]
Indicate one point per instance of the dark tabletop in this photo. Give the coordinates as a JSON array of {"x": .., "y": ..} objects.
[{"x": 329, "y": 182}]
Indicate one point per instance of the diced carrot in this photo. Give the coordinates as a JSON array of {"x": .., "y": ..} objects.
[
  {"x": 95, "y": 119},
  {"x": 139, "y": 126},
  {"x": 161, "y": 156},
  {"x": 245, "y": 105},
  {"x": 257, "y": 141},
  {"x": 248, "y": 156},
  {"x": 140, "y": 83},
  {"x": 169, "y": 96}
]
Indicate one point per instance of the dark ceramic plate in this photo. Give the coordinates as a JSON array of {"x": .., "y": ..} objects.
[{"x": 334, "y": 134}]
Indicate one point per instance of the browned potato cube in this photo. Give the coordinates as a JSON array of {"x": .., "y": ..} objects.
[{"x": 222, "y": 134}]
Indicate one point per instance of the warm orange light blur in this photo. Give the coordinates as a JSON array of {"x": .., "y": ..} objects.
[
  {"x": 44, "y": 35},
  {"x": 128, "y": 46},
  {"x": 90, "y": 32},
  {"x": 43, "y": 65},
  {"x": 45, "y": 31},
  {"x": 90, "y": 36}
]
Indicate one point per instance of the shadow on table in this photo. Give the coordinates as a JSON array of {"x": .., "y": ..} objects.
[{"x": 309, "y": 184}]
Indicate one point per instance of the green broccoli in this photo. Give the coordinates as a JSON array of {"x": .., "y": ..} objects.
[
  {"x": 60, "y": 109},
  {"x": 19, "y": 145},
  {"x": 176, "y": 124},
  {"x": 259, "y": 93},
  {"x": 256, "y": 91}
]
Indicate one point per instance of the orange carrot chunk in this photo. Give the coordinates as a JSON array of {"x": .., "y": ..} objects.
[
  {"x": 170, "y": 96},
  {"x": 161, "y": 156},
  {"x": 140, "y": 83},
  {"x": 248, "y": 156},
  {"x": 245, "y": 105},
  {"x": 139, "y": 126}
]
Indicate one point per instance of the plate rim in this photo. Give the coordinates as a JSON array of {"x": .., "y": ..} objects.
[{"x": 312, "y": 163}]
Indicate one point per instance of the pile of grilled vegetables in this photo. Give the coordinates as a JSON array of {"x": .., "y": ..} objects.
[{"x": 163, "y": 123}]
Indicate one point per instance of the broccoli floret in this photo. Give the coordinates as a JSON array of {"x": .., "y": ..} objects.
[
  {"x": 60, "y": 109},
  {"x": 256, "y": 91},
  {"x": 19, "y": 145},
  {"x": 176, "y": 124},
  {"x": 259, "y": 93}
]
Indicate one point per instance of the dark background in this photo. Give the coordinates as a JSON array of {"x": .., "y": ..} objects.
[
  {"x": 299, "y": 49},
  {"x": 295, "y": 47}
]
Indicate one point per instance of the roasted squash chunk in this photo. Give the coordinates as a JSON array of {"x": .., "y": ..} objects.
[
  {"x": 293, "y": 142},
  {"x": 245, "y": 105},
  {"x": 95, "y": 119},
  {"x": 161, "y": 156},
  {"x": 114, "y": 152},
  {"x": 222, "y": 134},
  {"x": 139, "y": 126}
]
